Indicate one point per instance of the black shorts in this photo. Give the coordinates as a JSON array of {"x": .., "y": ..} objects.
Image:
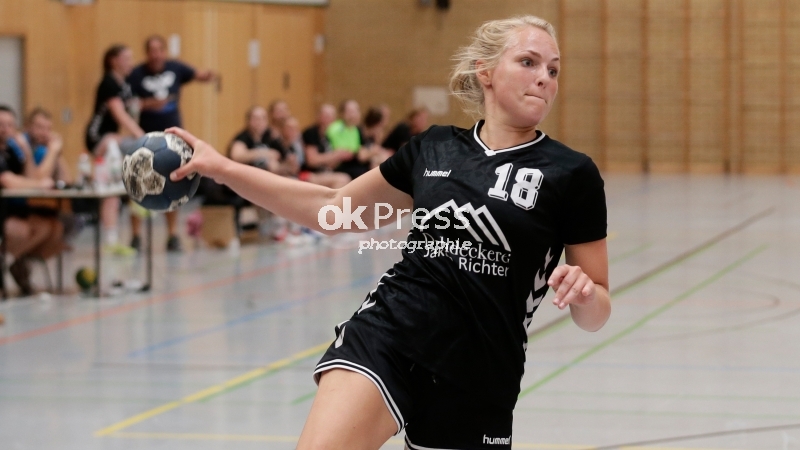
[{"x": 435, "y": 413}]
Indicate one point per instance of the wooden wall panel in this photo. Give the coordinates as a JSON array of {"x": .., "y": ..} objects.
[
  {"x": 581, "y": 83},
  {"x": 667, "y": 85},
  {"x": 64, "y": 46},
  {"x": 761, "y": 86},
  {"x": 792, "y": 73},
  {"x": 377, "y": 52},
  {"x": 284, "y": 34},
  {"x": 235, "y": 29},
  {"x": 706, "y": 87},
  {"x": 673, "y": 85},
  {"x": 623, "y": 118},
  {"x": 693, "y": 85}
]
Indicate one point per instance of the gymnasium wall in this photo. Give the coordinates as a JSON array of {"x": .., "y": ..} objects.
[
  {"x": 64, "y": 47},
  {"x": 659, "y": 85}
]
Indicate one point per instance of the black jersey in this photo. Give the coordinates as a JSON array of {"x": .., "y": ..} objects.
[
  {"x": 266, "y": 141},
  {"x": 103, "y": 122},
  {"x": 496, "y": 223}
]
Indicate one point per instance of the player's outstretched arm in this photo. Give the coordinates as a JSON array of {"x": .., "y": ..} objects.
[
  {"x": 298, "y": 201},
  {"x": 582, "y": 283}
]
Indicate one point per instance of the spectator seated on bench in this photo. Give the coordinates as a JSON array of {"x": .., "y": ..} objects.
[{"x": 30, "y": 232}]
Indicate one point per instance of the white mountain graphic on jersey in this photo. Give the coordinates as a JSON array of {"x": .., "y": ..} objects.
[{"x": 475, "y": 214}]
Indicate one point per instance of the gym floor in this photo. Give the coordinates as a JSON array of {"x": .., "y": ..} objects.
[{"x": 702, "y": 350}]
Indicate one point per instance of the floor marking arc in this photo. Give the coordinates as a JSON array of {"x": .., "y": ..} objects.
[
  {"x": 639, "y": 323},
  {"x": 563, "y": 320}
]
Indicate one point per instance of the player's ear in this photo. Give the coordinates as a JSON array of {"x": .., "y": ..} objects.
[{"x": 484, "y": 74}]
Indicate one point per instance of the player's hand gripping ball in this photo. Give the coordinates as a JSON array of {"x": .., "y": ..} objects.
[{"x": 146, "y": 166}]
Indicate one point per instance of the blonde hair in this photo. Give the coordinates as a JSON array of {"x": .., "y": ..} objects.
[{"x": 488, "y": 44}]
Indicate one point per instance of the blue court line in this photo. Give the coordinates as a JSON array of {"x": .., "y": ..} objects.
[{"x": 249, "y": 317}]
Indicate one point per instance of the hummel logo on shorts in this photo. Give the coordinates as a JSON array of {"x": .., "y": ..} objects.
[
  {"x": 437, "y": 173},
  {"x": 497, "y": 440}
]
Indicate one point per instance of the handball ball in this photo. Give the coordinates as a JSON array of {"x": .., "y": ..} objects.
[
  {"x": 146, "y": 165},
  {"x": 86, "y": 278}
]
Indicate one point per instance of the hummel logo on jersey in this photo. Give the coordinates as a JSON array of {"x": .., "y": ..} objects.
[
  {"x": 497, "y": 440},
  {"x": 437, "y": 173}
]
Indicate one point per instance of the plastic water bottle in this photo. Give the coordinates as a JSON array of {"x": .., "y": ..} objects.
[
  {"x": 84, "y": 171},
  {"x": 102, "y": 177},
  {"x": 113, "y": 161}
]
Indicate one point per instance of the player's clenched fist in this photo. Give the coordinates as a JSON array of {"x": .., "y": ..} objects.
[{"x": 572, "y": 286}]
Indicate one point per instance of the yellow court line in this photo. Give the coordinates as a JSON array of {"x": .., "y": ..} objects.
[
  {"x": 204, "y": 437},
  {"x": 270, "y": 438},
  {"x": 666, "y": 448},
  {"x": 208, "y": 392},
  {"x": 216, "y": 437},
  {"x": 552, "y": 446}
]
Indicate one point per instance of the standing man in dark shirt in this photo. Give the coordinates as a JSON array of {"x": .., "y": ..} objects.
[{"x": 157, "y": 83}]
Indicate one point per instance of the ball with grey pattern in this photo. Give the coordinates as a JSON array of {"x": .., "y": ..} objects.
[{"x": 146, "y": 165}]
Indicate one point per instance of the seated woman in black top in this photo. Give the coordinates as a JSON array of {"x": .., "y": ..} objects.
[
  {"x": 27, "y": 234},
  {"x": 254, "y": 145},
  {"x": 416, "y": 122},
  {"x": 294, "y": 149}
]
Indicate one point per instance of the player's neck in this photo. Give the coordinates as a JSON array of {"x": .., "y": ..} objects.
[
  {"x": 498, "y": 136},
  {"x": 155, "y": 67},
  {"x": 118, "y": 76},
  {"x": 257, "y": 135}
]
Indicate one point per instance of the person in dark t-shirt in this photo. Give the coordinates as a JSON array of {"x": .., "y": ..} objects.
[
  {"x": 416, "y": 122},
  {"x": 320, "y": 158},
  {"x": 113, "y": 108},
  {"x": 113, "y": 103},
  {"x": 254, "y": 145},
  {"x": 27, "y": 234},
  {"x": 438, "y": 345},
  {"x": 373, "y": 132},
  {"x": 291, "y": 143},
  {"x": 157, "y": 84}
]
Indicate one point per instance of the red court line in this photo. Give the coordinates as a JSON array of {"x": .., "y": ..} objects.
[{"x": 162, "y": 298}]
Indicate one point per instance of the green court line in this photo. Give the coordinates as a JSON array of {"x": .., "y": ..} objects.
[
  {"x": 629, "y": 253},
  {"x": 709, "y": 397},
  {"x": 262, "y": 376},
  {"x": 641, "y": 322},
  {"x": 563, "y": 320},
  {"x": 304, "y": 397},
  {"x": 644, "y": 412}
]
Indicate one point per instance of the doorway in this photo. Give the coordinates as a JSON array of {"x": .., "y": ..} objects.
[{"x": 11, "y": 81}]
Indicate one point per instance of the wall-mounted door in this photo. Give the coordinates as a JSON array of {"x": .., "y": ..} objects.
[{"x": 11, "y": 72}]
